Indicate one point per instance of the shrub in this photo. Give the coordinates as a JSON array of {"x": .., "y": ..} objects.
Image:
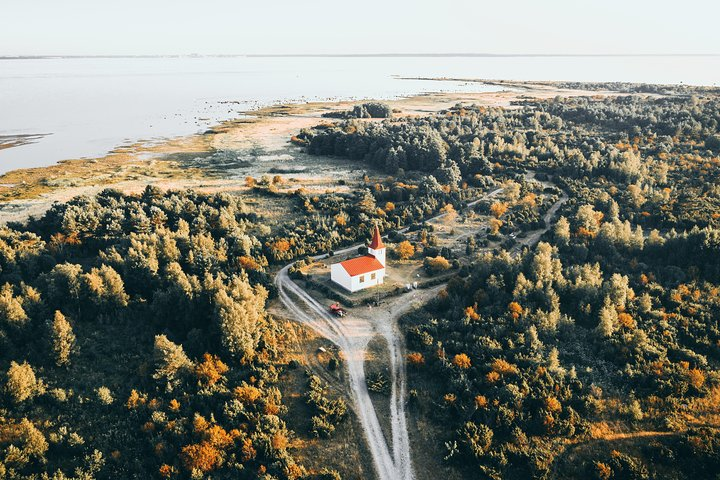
[
  {"x": 435, "y": 265},
  {"x": 104, "y": 395},
  {"x": 415, "y": 358}
]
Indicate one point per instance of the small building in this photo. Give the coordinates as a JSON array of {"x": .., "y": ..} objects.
[{"x": 362, "y": 272}]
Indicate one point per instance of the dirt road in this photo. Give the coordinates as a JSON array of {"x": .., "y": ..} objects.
[
  {"x": 351, "y": 336},
  {"x": 353, "y": 333}
]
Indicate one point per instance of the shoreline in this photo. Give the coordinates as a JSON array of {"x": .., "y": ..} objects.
[
  {"x": 220, "y": 158},
  {"x": 599, "y": 86},
  {"x": 191, "y": 122},
  {"x": 20, "y": 139}
]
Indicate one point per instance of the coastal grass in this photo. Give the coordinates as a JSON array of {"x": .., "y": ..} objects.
[{"x": 116, "y": 167}]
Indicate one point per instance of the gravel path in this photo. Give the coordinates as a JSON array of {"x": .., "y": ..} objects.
[
  {"x": 351, "y": 336},
  {"x": 353, "y": 333}
]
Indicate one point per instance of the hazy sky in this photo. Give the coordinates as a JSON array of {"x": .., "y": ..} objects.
[{"x": 93, "y": 27}]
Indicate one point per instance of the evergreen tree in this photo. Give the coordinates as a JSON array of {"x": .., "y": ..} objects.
[
  {"x": 562, "y": 231},
  {"x": 607, "y": 320},
  {"x": 11, "y": 310},
  {"x": 62, "y": 339},
  {"x": 170, "y": 361},
  {"x": 21, "y": 382}
]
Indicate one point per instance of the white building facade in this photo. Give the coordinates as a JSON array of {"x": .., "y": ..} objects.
[{"x": 362, "y": 272}]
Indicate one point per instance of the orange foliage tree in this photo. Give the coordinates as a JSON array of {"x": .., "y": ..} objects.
[
  {"x": 247, "y": 394},
  {"x": 471, "y": 313},
  {"x": 498, "y": 209},
  {"x": 210, "y": 370},
  {"x": 515, "y": 310},
  {"x": 202, "y": 456},
  {"x": 696, "y": 377},
  {"x": 404, "y": 250},
  {"x": 626, "y": 320},
  {"x": 495, "y": 225},
  {"x": 462, "y": 361},
  {"x": 503, "y": 367},
  {"x": 416, "y": 358}
]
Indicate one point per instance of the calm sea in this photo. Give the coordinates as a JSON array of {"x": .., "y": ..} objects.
[{"x": 87, "y": 106}]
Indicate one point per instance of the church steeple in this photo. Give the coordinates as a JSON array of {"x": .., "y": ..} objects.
[
  {"x": 376, "y": 242},
  {"x": 377, "y": 247}
]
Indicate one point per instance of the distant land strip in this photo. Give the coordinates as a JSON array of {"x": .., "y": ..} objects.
[{"x": 364, "y": 55}]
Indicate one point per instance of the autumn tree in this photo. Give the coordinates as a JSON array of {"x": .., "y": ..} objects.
[
  {"x": 105, "y": 288},
  {"x": 498, "y": 209},
  {"x": 476, "y": 438},
  {"x": 210, "y": 370},
  {"x": 415, "y": 358},
  {"x": 404, "y": 250},
  {"x": 515, "y": 310},
  {"x": 170, "y": 361},
  {"x": 462, "y": 361},
  {"x": 11, "y": 310},
  {"x": 588, "y": 220},
  {"x": 696, "y": 378},
  {"x": 203, "y": 457},
  {"x": 617, "y": 290},
  {"x": 28, "y": 443},
  {"x": 471, "y": 314},
  {"x": 436, "y": 264},
  {"x": 62, "y": 339},
  {"x": 239, "y": 311},
  {"x": 626, "y": 320},
  {"x": 341, "y": 219},
  {"x": 366, "y": 201},
  {"x": 21, "y": 383},
  {"x": 495, "y": 225},
  {"x": 247, "y": 394}
]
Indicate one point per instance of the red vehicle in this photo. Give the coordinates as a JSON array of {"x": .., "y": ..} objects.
[{"x": 337, "y": 310}]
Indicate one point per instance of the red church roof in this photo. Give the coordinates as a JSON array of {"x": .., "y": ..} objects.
[
  {"x": 376, "y": 240},
  {"x": 360, "y": 265}
]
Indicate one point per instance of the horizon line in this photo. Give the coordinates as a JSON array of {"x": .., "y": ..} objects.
[{"x": 356, "y": 55}]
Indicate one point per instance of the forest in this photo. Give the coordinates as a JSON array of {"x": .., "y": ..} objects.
[
  {"x": 163, "y": 294},
  {"x": 135, "y": 340},
  {"x": 609, "y": 324}
]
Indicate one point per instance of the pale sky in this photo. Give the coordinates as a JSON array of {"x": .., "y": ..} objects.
[{"x": 152, "y": 27}]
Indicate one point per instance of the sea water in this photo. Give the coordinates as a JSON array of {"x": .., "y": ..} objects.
[{"x": 85, "y": 107}]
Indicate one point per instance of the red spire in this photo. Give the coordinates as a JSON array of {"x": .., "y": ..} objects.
[{"x": 376, "y": 242}]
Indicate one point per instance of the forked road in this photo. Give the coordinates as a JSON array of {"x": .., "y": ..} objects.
[{"x": 352, "y": 334}]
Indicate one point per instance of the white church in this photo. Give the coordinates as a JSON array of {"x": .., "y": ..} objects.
[{"x": 362, "y": 272}]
